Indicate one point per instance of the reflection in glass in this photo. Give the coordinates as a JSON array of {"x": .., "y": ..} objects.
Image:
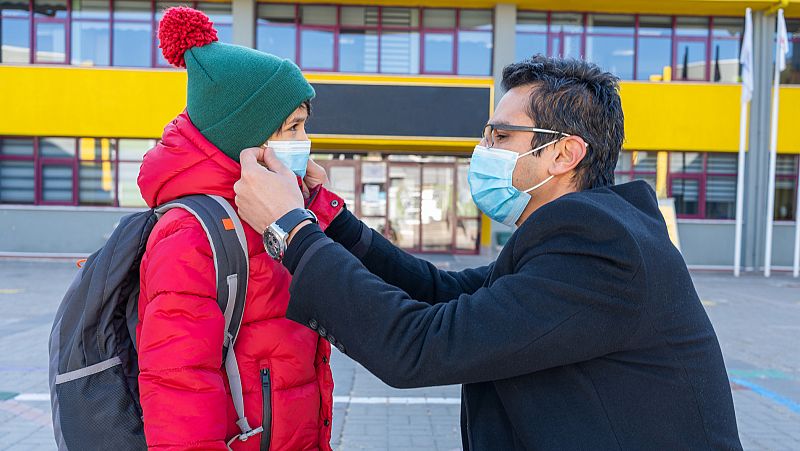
[
  {"x": 691, "y": 60},
  {"x": 464, "y": 204},
  {"x": 475, "y": 19},
  {"x": 358, "y": 51},
  {"x": 57, "y": 183},
  {"x": 343, "y": 182},
  {"x": 90, "y": 43},
  {"x": 691, "y": 26},
  {"x": 528, "y": 45},
  {"x": 610, "y": 23},
  {"x": 51, "y": 42},
  {"x": 439, "y": 52},
  {"x": 612, "y": 53},
  {"x": 654, "y": 55},
  {"x": 17, "y": 182},
  {"x": 655, "y": 26},
  {"x": 57, "y": 147},
  {"x": 316, "y": 49},
  {"x": 132, "y": 44},
  {"x": 404, "y": 206},
  {"x": 436, "y": 204},
  {"x": 474, "y": 53},
  {"x": 685, "y": 192},
  {"x": 318, "y": 15},
  {"x": 15, "y": 32},
  {"x": 359, "y": 16},
  {"x": 467, "y": 234},
  {"x": 132, "y": 10},
  {"x": 568, "y": 22},
  {"x": 96, "y": 183},
  {"x": 278, "y": 40},
  {"x": 439, "y": 18},
  {"x": 400, "y": 52},
  {"x": 685, "y": 162},
  {"x": 129, "y": 194},
  {"x": 721, "y": 198},
  {"x": 531, "y": 21}
]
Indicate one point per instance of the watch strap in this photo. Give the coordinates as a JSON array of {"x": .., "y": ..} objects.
[{"x": 290, "y": 220}]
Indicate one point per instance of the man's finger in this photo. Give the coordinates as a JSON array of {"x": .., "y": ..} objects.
[
  {"x": 274, "y": 164},
  {"x": 249, "y": 156}
]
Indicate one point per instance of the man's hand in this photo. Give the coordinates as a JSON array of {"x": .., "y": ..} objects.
[{"x": 265, "y": 194}]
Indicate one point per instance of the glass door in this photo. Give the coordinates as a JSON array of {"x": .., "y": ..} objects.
[
  {"x": 404, "y": 205},
  {"x": 436, "y": 205}
]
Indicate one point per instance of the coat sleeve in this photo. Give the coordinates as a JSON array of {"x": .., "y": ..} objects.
[
  {"x": 574, "y": 295},
  {"x": 421, "y": 279},
  {"x": 180, "y": 340}
]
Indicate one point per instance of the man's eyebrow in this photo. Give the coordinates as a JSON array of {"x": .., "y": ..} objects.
[{"x": 499, "y": 123}]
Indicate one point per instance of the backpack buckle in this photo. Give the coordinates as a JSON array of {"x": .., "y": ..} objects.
[{"x": 246, "y": 435}]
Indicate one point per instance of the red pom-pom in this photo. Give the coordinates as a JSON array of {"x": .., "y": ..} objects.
[{"x": 182, "y": 28}]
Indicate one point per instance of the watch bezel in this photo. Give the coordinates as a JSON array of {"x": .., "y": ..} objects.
[{"x": 275, "y": 241}]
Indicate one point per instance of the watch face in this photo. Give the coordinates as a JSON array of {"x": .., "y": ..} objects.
[{"x": 273, "y": 243}]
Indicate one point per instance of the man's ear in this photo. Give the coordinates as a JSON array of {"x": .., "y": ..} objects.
[{"x": 571, "y": 151}]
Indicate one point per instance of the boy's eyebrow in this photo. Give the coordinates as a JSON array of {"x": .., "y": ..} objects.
[{"x": 296, "y": 118}]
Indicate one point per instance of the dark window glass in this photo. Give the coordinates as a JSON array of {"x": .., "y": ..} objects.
[
  {"x": 439, "y": 52},
  {"x": 132, "y": 10},
  {"x": 475, "y": 19},
  {"x": 720, "y": 197},
  {"x": 16, "y": 147},
  {"x": 722, "y": 163},
  {"x": 474, "y": 53},
  {"x": 785, "y": 187},
  {"x": 359, "y": 16},
  {"x": 358, "y": 51},
  {"x": 685, "y": 162},
  {"x": 400, "y": 17},
  {"x": 792, "y": 73},
  {"x": 686, "y": 194},
  {"x": 610, "y": 24},
  {"x": 15, "y": 32},
  {"x": 276, "y": 32},
  {"x": 17, "y": 182},
  {"x": 316, "y": 49},
  {"x": 531, "y": 21},
  {"x": 318, "y": 15},
  {"x": 222, "y": 17},
  {"x": 691, "y": 26},
  {"x": 439, "y": 18},
  {"x": 57, "y": 147},
  {"x": 566, "y": 22},
  {"x": 57, "y": 183},
  {"x": 655, "y": 26}
]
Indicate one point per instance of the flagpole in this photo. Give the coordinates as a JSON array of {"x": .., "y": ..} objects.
[
  {"x": 746, "y": 58},
  {"x": 773, "y": 151},
  {"x": 737, "y": 253}
]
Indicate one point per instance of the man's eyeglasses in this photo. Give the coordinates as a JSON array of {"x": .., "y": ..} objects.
[{"x": 490, "y": 131}]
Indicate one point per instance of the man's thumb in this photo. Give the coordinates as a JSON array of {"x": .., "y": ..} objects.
[
  {"x": 274, "y": 164},
  {"x": 249, "y": 156}
]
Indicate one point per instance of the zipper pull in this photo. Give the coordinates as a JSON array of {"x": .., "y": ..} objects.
[{"x": 265, "y": 377}]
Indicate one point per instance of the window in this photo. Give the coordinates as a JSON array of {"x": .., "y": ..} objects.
[
  {"x": 133, "y": 31},
  {"x": 15, "y": 31},
  {"x": 17, "y": 171},
  {"x": 372, "y": 39},
  {"x": 91, "y": 35},
  {"x": 636, "y": 166},
  {"x": 792, "y": 73},
  {"x": 50, "y": 31},
  {"x": 636, "y": 47},
  {"x": 610, "y": 42},
  {"x": 786, "y": 187},
  {"x": 70, "y": 171}
]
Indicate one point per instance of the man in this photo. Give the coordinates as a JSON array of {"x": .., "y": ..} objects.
[{"x": 585, "y": 333}]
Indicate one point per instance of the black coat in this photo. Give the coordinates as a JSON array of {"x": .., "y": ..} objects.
[{"x": 585, "y": 333}]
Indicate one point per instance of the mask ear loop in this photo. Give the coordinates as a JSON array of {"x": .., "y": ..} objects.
[{"x": 535, "y": 150}]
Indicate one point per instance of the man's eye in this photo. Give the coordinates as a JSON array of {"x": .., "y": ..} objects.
[{"x": 500, "y": 137}]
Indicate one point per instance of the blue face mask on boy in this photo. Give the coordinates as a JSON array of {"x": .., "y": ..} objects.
[
  {"x": 490, "y": 175},
  {"x": 293, "y": 154}
]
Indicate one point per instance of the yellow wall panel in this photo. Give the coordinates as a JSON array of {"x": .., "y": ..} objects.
[{"x": 65, "y": 101}]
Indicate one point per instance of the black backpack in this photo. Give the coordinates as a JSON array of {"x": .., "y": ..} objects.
[{"x": 93, "y": 361}]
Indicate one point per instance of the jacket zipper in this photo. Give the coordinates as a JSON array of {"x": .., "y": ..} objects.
[{"x": 266, "y": 415}]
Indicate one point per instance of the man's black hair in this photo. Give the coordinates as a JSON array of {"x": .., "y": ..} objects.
[{"x": 579, "y": 98}]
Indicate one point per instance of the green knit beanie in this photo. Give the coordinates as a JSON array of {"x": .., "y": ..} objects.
[{"x": 236, "y": 96}]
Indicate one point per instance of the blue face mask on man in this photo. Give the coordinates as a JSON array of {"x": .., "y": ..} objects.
[
  {"x": 490, "y": 176},
  {"x": 293, "y": 154}
]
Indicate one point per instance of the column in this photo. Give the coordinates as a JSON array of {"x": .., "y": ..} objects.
[
  {"x": 757, "y": 160},
  {"x": 244, "y": 23}
]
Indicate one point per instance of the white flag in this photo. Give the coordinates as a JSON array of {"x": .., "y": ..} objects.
[
  {"x": 783, "y": 42},
  {"x": 746, "y": 58}
]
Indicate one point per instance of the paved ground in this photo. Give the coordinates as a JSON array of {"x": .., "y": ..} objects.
[{"x": 758, "y": 322}]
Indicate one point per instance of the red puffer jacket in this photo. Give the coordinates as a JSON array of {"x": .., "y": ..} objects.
[{"x": 184, "y": 392}]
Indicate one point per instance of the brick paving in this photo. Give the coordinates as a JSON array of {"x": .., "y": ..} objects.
[{"x": 757, "y": 320}]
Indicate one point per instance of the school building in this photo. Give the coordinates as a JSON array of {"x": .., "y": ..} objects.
[{"x": 404, "y": 88}]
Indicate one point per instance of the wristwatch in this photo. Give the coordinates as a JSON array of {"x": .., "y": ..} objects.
[{"x": 278, "y": 232}]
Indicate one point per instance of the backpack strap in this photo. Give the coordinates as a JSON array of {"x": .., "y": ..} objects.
[{"x": 231, "y": 263}]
